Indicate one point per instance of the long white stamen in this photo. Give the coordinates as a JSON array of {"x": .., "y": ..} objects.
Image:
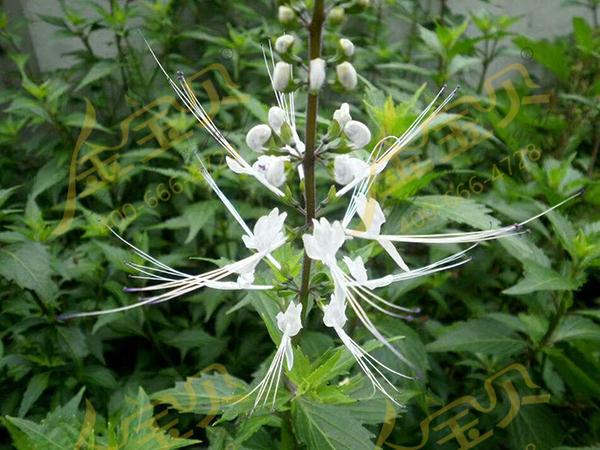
[
  {"x": 147, "y": 257},
  {"x": 418, "y": 125},
  {"x": 187, "y": 96},
  {"x": 213, "y": 185},
  {"x": 364, "y": 360},
  {"x": 274, "y": 371}
]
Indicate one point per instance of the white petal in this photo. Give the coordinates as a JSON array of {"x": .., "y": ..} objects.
[
  {"x": 276, "y": 118},
  {"x": 370, "y": 213},
  {"x": 342, "y": 115},
  {"x": 272, "y": 168},
  {"x": 356, "y": 268},
  {"x": 334, "y": 314}
]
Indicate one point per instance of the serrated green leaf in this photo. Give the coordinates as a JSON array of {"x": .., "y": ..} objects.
[
  {"x": 540, "y": 278},
  {"x": 207, "y": 394},
  {"x": 98, "y": 71},
  {"x": 36, "y": 386},
  {"x": 458, "y": 209},
  {"x": 579, "y": 381},
  {"x": 135, "y": 428},
  {"x": 28, "y": 265},
  {"x": 552, "y": 56},
  {"x": 59, "y": 430},
  {"x": 328, "y": 427},
  {"x": 537, "y": 425},
  {"x": 479, "y": 336},
  {"x": 575, "y": 327}
]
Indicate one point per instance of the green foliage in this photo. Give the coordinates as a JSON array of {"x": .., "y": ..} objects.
[{"x": 530, "y": 299}]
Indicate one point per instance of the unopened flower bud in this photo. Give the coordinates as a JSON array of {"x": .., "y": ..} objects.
[
  {"x": 336, "y": 15},
  {"x": 272, "y": 168},
  {"x": 358, "y": 133},
  {"x": 346, "y": 74},
  {"x": 276, "y": 118},
  {"x": 285, "y": 14},
  {"x": 281, "y": 76},
  {"x": 284, "y": 43},
  {"x": 342, "y": 115},
  {"x": 258, "y": 136},
  {"x": 316, "y": 76},
  {"x": 347, "y": 46},
  {"x": 364, "y": 4}
]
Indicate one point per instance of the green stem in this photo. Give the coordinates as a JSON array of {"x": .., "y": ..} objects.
[
  {"x": 315, "y": 30},
  {"x": 561, "y": 309},
  {"x": 288, "y": 442}
]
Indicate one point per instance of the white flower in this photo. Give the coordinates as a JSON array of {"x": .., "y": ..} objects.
[
  {"x": 268, "y": 233},
  {"x": 258, "y": 136},
  {"x": 281, "y": 76},
  {"x": 284, "y": 43},
  {"x": 290, "y": 322},
  {"x": 342, "y": 115},
  {"x": 358, "y": 133},
  {"x": 325, "y": 241},
  {"x": 316, "y": 74},
  {"x": 347, "y": 46},
  {"x": 276, "y": 118},
  {"x": 346, "y": 168},
  {"x": 272, "y": 168},
  {"x": 285, "y": 14},
  {"x": 346, "y": 74},
  {"x": 334, "y": 314}
]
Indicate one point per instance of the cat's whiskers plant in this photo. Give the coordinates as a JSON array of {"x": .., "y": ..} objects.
[{"x": 278, "y": 144}]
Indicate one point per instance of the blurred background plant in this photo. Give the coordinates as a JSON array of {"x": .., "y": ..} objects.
[{"x": 521, "y": 135}]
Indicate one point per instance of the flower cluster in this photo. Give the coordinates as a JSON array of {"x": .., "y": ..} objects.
[{"x": 275, "y": 147}]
